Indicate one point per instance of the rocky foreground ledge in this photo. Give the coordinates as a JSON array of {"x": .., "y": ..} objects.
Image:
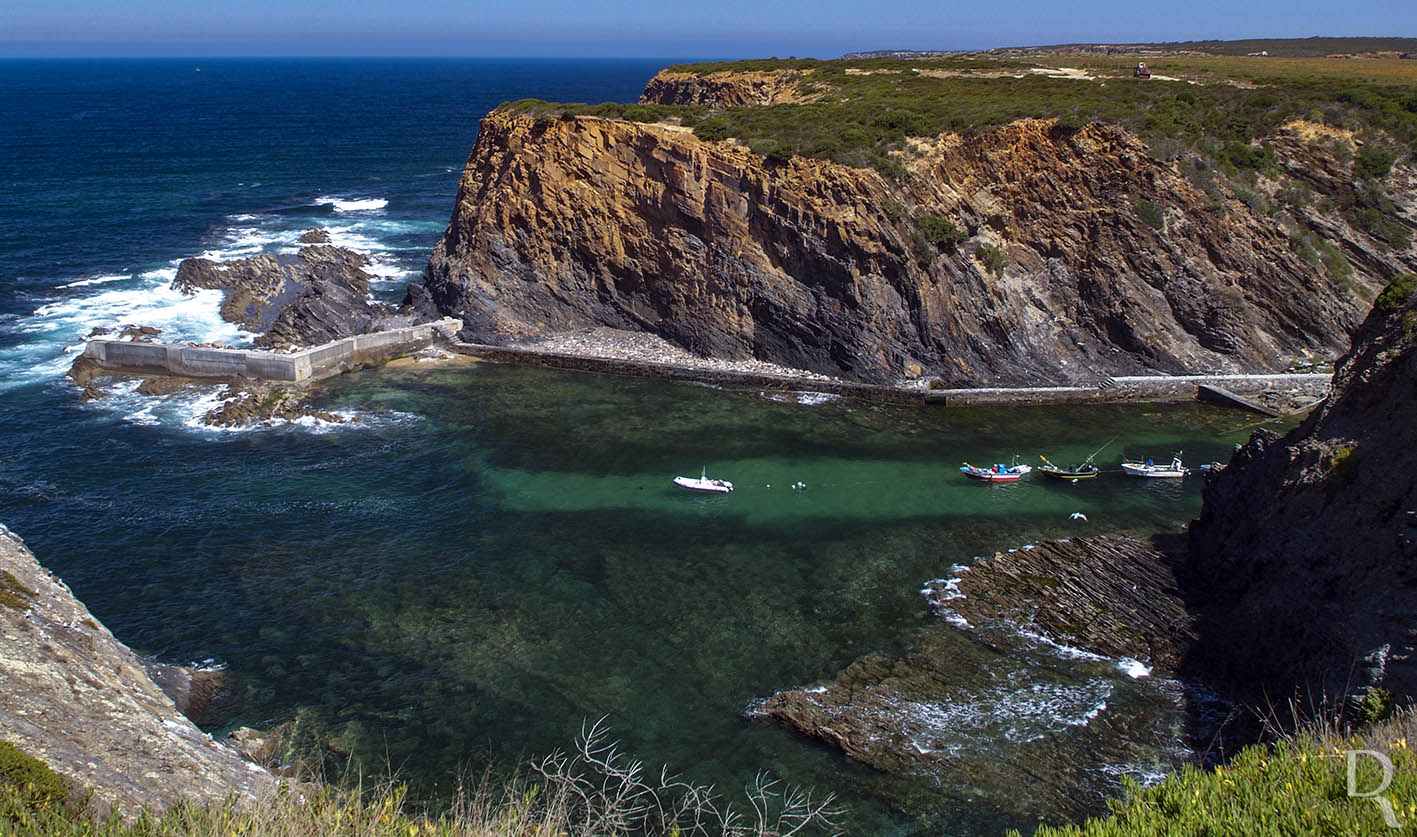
[{"x": 79, "y": 700}]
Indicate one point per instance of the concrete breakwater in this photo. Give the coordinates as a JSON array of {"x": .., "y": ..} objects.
[
  {"x": 313, "y": 364},
  {"x": 1112, "y": 390},
  {"x": 1134, "y": 388}
]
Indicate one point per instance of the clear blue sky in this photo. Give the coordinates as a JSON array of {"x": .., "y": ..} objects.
[{"x": 709, "y": 28}]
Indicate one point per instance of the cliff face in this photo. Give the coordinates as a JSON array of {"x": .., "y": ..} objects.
[
  {"x": 584, "y": 221},
  {"x": 1305, "y": 556},
  {"x": 77, "y": 699},
  {"x": 723, "y": 90}
]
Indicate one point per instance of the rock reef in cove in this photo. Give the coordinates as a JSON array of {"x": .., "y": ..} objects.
[{"x": 312, "y": 297}]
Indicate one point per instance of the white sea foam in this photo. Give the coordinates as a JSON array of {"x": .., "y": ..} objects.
[
  {"x": 1134, "y": 669},
  {"x": 97, "y": 280},
  {"x": 353, "y": 204},
  {"x": 1063, "y": 650},
  {"x": 56, "y": 330},
  {"x": 971, "y": 721}
]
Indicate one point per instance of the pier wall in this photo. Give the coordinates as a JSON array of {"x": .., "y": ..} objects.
[{"x": 125, "y": 357}]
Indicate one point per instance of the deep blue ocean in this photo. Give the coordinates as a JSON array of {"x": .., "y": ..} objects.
[{"x": 485, "y": 556}]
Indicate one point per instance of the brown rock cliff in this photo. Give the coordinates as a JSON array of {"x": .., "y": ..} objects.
[
  {"x": 723, "y": 90},
  {"x": 582, "y": 221}
]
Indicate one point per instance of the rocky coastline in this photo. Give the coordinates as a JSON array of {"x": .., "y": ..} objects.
[
  {"x": 1294, "y": 584},
  {"x": 290, "y": 301},
  {"x": 79, "y": 700}
]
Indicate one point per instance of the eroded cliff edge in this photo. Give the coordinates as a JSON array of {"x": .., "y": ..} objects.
[
  {"x": 1053, "y": 276},
  {"x": 79, "y": 700}
]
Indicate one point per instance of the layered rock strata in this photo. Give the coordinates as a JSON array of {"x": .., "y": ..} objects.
[
  {"x": 724, "y": 89},
  {"x": 581, "y": 221},
  {"x": 313, "y": 297}
]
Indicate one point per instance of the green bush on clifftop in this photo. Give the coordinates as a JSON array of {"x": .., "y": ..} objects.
[{"x": 1292, "y": 787}]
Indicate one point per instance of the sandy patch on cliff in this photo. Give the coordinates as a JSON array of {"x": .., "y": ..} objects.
[{"x": 1312, "y": 131}]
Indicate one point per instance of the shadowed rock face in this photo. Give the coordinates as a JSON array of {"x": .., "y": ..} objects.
[
  {"x": 583, "y": 221},
  {"x": 1304, "y": 558},
  {"x": 77, "y": 699}
]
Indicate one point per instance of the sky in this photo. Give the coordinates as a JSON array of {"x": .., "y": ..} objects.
[{"x": 635, "y": 28}]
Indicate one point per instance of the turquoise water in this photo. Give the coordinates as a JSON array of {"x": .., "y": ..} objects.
[
  {"x": 493, "y": 554},
  {"x": 488, "y": 556}
]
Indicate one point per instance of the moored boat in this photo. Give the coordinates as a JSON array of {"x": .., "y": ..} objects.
[
  {"x": 1085, "y": 471},
  {"x": 995, "y": 473},
  {"x": 703, "y": 483},
  {"x": 1151, "y": 469}
]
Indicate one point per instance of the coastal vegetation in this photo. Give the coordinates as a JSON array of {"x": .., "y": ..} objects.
[
  {"x": 1299, "y": 785},
  {"x": 1216, "y": 114},
  {"x": 594, "y": 789}
]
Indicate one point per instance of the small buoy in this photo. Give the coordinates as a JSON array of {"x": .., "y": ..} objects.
[
  {"x": 769, "y": 485},
  {"x": 1077, "y": 516},
  {"x": 1075, "y": 480}
]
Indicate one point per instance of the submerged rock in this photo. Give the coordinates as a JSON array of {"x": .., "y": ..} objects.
[{"x": 253, "y": 402}]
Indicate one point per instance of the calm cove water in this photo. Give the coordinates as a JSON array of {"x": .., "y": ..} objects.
[{"x": 487, "y": 556}]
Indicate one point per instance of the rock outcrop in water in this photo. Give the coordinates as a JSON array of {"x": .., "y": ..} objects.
[
  {"x": 77, "y": 699},
  {"x": 312, "y": 297},
  {"x": 581, "y": 221},
  {"x": 980, "y": 700}
]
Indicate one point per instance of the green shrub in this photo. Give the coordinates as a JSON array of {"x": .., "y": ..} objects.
[
  {"x": 1396, "y": 294},
  {"x": 1336, "y": 266},
  {"x": 1292, "y": 787},
  {"x": 1243, "y": 155},
  {"x": 1373, "y": 212},
  {"x": 1343, "y": 464},
  {"x": 1373, "y": 163},
  {"x": 712, "y": 130},
  {"x": 1149, "y": 213},
  {"x": 13, "y": 594},
  {"x": 1377, "y": 705},
  {"x": 939, "y": 232},
  {"x": 893, "y": 209},
  {"x": 992, "y": 257},
  {"x": 31, "y": 779}
]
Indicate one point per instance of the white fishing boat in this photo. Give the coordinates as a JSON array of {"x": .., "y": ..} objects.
[
  {"x": 1151, "y": 469},
  {"x": 703, "y": 483}
]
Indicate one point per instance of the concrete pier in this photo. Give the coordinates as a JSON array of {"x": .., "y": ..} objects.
[
  {"x": 313, "y": 364},
  {"x": 1133, "y": 388}
]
